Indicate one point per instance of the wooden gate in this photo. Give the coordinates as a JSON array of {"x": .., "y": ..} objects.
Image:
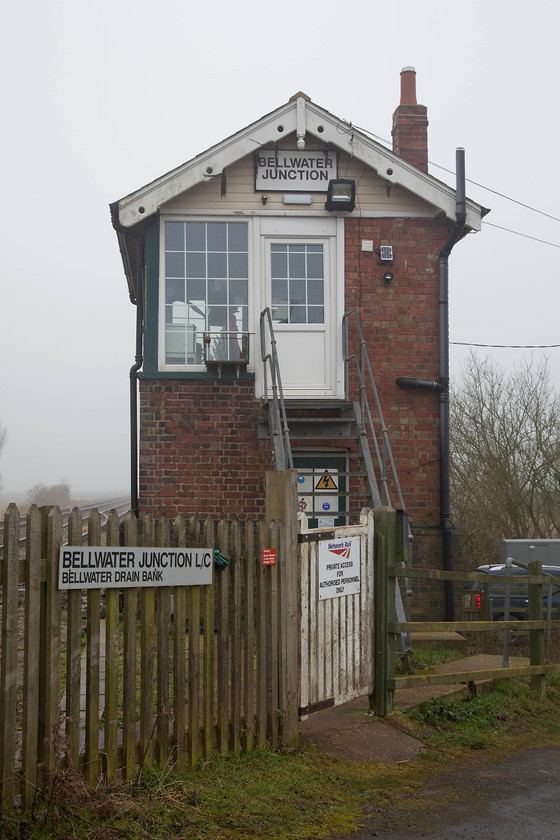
[{"x": 336, "y": 640}]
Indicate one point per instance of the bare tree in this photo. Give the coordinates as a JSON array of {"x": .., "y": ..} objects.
[
  {"x": 50, "y": 494},
  {"x": 505, "y": 456}
]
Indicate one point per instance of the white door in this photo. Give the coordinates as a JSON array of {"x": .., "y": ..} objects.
[{"x": 300, "y": 275}]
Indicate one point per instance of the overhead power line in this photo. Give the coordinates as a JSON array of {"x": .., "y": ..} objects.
[
  {"x": 502, "y": 195},
  {"x": 518, "y": 233},
  {"x": 507, "y": 346},
  {"x": 477, "y": 184}
]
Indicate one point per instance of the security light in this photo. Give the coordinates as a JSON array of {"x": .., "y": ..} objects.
[{"x": 341, "y": 195}]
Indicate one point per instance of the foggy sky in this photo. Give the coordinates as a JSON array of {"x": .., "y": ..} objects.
[{"x": 100, "y": 98}]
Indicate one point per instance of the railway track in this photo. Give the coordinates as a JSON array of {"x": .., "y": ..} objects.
[{"x": 121, "y": 505}]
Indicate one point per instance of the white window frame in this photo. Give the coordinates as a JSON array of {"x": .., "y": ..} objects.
[{"x": 164, "y": 366}]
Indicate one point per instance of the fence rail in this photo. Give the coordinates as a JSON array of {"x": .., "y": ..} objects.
[
  {"x": 109, "y": 681},
  {"x": 387, "y": 532}
]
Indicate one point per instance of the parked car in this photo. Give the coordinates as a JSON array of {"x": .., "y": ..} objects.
[{"x": 484, "y": 601}]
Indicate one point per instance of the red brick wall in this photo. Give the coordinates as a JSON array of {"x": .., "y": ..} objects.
[
  {"x": 199, "y": 448},
  {"x": 400, "y": 323}
]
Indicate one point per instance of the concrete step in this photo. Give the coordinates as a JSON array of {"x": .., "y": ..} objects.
[{"x": 449, "y": 640}]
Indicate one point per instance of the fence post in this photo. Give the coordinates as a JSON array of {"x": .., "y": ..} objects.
[
  {"x": 382, "y": 700},
  {"x": 9, "y": 646},
  {"x": 536, "y": 637},
  {"x": 130, "y": 611},
  {"x": 31, "y": 662},
  {"x": 49, "y": 678},
  {"x": 281, "y": 505}
]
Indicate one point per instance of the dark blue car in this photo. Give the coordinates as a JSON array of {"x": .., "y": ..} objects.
[{"x": 484, "y": 601}]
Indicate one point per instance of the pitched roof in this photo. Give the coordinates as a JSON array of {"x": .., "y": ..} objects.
[{"x": 300, "y": 116}]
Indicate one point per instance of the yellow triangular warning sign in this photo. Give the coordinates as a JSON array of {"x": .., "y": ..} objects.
[{"x": 326, "y": 482}]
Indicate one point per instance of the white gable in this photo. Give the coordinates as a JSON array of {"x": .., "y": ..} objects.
[{"x": 305, "y": 120}]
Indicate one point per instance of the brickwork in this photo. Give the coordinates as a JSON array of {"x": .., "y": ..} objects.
[
  {"x": 400, "y": 323},
  {"x": 199, "y": 448},
  {"x": 410, "y": 125}
]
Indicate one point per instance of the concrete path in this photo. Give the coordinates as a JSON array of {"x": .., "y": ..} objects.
[{"x": 351, "y": 732}]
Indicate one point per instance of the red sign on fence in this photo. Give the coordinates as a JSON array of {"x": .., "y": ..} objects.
[{"x": 269, "y": 557}]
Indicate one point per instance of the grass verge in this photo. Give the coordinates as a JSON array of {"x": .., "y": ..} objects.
[{"x": 300, "y": 793}]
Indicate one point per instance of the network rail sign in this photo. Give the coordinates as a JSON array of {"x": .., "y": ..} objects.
[
  {"x": 103, "y": 567},
  {"x": 339, "y": 568}
]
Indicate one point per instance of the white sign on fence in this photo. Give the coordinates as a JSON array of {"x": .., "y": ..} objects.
[
  {"x": 339, "y": 567},
  {"x": 104, "y": 567}
]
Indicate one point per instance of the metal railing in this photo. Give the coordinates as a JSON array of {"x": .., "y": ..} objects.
[
  {"x": 273, "y": 393},
  {"x": 362, "y": 367}
]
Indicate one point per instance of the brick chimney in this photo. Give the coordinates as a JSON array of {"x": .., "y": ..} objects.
[{"x": 410, "y": 123}]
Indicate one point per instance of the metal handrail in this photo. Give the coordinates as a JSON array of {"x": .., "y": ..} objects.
[
  {"x": 363, "y": 369},
  {"x": 282, "y": 449}
]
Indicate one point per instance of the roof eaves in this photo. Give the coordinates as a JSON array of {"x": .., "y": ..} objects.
[{"x": 283, "y": 121}]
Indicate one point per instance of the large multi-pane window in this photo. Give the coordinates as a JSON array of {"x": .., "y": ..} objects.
[
  {"x": 206, "y": 285},
  {"x": 297, "y": 278}
]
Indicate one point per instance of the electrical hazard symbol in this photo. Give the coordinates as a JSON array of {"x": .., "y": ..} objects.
[{"x": 326, "y": 482}]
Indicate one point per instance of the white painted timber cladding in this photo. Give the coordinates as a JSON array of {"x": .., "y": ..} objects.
[
  {"x": 371, "y": 194},
  {"x": 321, "y": 127},
  {"x": 337, "y": 634}
]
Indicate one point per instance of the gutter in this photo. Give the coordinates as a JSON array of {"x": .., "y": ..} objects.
[
  {"x": 136, "y": 289},
  {"x": 442, "y": 385}
]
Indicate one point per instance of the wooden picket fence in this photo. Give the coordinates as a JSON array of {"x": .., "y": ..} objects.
[{"x": 109, "y": 682}]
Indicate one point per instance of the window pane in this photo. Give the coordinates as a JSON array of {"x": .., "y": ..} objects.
[
  {"x": 238, "y": 292},
  {"x": 238, "y": 265},
  {"x": 279, "y": 291},
  {"x": 217, "y": 291},
  {"x": 196, "y": 265},
  {"x": 237, "y": 237},
  {"x": 316, "y": 315},
  {"x": 174, "y": 236},
  {"x": 297, "y": 261},
  {"x": 315, "y": 265},
  {"x": 315, "y": 291},
  {"x": 196, "y": 290},
  {"x": 217, "y": 240},
  {"x": 217, "y": 316},
  {"x": 196, "y": 236},
  {"x": 174, "y": 290},
  {"x": 217, "y": 265},
  {"x": 297, "y": 291},
  {"x": 279, "y": 262},
  {"x": 243, "y": 318},
  {"x": 297, "y": 315},
  {"x": 196, "y": 315},
  {"x": 175, "y": 265}
]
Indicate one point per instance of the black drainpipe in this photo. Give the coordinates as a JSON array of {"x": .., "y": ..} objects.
[
  {"x": 442, "y": 386},
  {"x": 137, "y": 297}
]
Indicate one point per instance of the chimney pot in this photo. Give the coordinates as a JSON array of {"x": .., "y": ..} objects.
[{"x": 408, "y": 86}]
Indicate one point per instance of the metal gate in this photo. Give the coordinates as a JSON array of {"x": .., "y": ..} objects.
[{"x": 336, "y": 648}]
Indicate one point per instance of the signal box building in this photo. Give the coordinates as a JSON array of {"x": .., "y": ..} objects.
[{"x": 300, "y": 240}]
